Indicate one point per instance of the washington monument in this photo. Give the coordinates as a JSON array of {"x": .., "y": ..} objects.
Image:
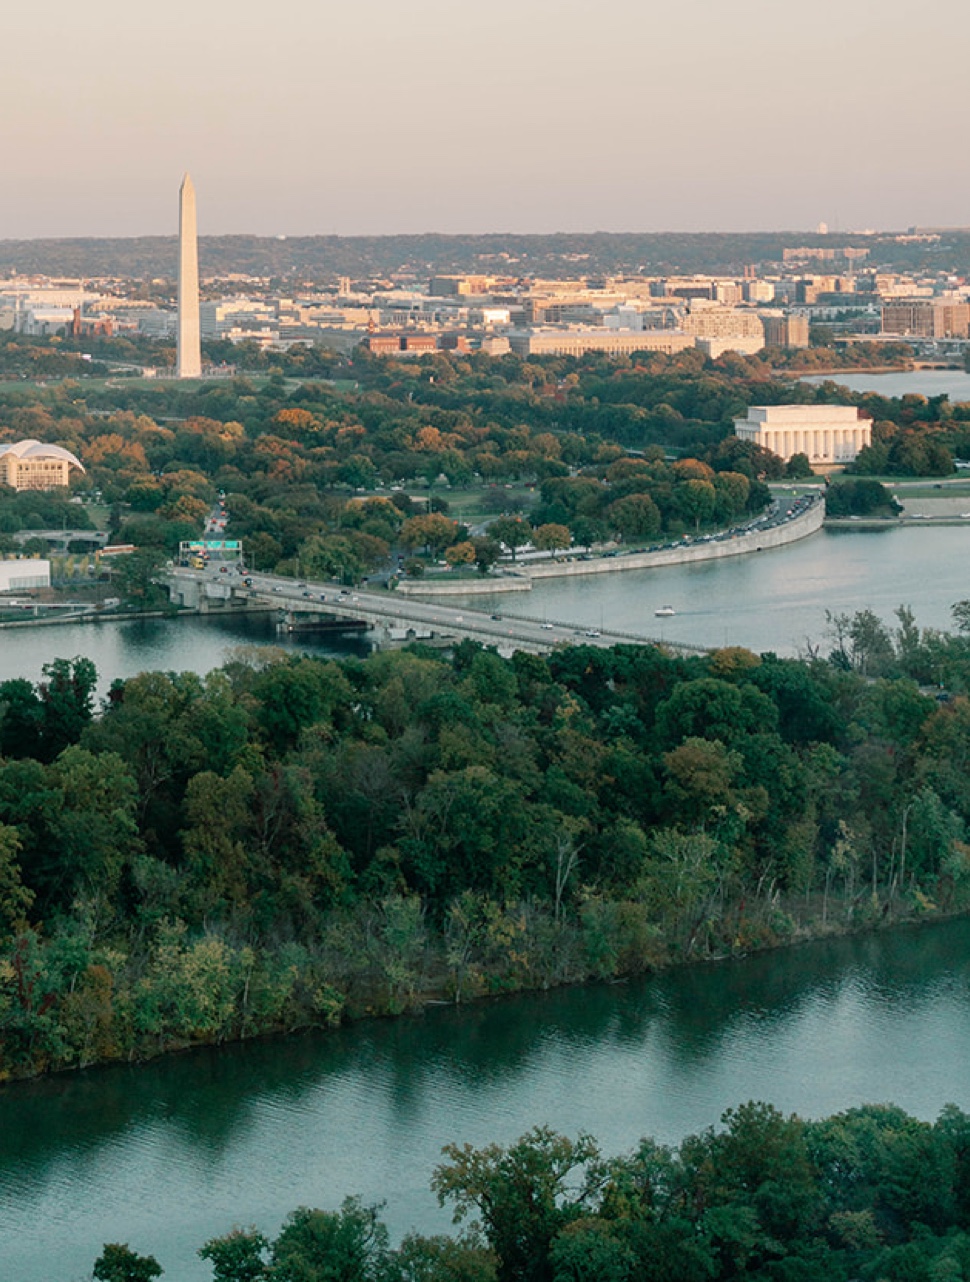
[{"x": 189, "y": 351}]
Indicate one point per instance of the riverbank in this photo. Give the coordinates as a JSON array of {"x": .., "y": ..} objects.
[
  {"x": 167, "y": 1155},
  {"x": 130, "y": 616},
  {"x": 817, "y": 375},
  {"x": 709, "y": 547},
  {"x": 91, "y": 617},
  {"x": 550, "y": 952}
]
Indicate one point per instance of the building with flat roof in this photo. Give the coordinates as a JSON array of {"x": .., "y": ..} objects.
[
  {"x": 574, "y": 342},
  {"x": 787, "y": 330},
  {"x": 715, "y": 347},
  {"x": 726, "y": 323},
  {"x": 925, "y": 318},
  {"x": 828, "y": 434},
  {"x": 410, "y": 344},
  {"x": 17, "y": 574},
  {"x": 217, "y": 317},
  {"x": 30, "y": 465}
]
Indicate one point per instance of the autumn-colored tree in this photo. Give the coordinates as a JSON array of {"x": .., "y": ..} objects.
[
  {"x": 460, "y": 553},
  {"x": 551, "y": 537},
  {"x": 432, "y": 531}
]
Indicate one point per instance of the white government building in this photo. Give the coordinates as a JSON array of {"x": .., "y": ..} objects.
[{"x": 828, "y": 434}]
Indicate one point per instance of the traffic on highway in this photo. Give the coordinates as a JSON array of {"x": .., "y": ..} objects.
[{"x": 404, "y": 617}]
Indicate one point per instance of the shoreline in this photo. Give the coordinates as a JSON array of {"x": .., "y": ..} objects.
[
  {"x": 522, "y": 577},
  {"x": 909, "y": 368},
  {"x": 89, "y": 617},
  {"x": 93, "y": 617},
  {"x": 368, "y": 1005}
]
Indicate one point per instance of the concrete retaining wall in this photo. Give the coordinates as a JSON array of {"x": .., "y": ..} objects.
[
  {"x": 465, "y": 587},
  {"x": 799, "y": 527}
]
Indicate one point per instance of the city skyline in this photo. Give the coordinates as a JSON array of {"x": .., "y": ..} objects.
[{"x": 558, "y": 116}]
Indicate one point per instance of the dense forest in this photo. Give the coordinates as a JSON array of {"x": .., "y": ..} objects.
[
  {"x": 325, "y": 258},
  {"x": 289, "y": 842},
  {"x": 870, "y": 1195}
]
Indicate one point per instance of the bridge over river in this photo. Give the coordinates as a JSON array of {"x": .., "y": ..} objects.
[
  {"x": 389, "y": 618},
  {"x": 394, "y": 618}
]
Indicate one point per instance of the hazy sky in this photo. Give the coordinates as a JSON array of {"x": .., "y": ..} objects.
[{"x": 371, "y": 116}]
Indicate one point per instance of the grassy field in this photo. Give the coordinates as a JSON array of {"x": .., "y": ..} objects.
[{"x": 474, "y": 504}]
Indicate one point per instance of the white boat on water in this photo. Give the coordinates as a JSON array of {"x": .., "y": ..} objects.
[{"x": 665, "y": 612}]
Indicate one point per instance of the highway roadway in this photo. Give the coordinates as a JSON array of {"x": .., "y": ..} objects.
[{"x": 427, "y": 619}]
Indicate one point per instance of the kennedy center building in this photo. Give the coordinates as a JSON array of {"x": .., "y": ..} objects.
[
  {"x": 189, "y": 346},
  {"x": 828, "y": 434}
]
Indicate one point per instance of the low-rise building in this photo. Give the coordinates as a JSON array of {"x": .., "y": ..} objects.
[
  {"x": 17, "y": 574},
  {"x": 30, "y": 465},
  {"x": 496, "y": 345},
  {"x": 219, "y": 317},
  {"x": 410, "y": 344},
  {"x": 759, "y": 291},
  {"x": 157, "y": 322},
  {"x": 715, "y": 347},
  {"x": 574, "y": 342}
]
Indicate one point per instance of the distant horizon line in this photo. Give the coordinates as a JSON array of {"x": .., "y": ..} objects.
[{"x": 830, "y": 236}]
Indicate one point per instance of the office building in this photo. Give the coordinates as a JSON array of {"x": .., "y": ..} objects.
[
  {"x": 926, "y": 319},
  {"x": 789, "y": 329},
  {"x": 574, "y": 342},
  {"x": 725, "y": 323}
]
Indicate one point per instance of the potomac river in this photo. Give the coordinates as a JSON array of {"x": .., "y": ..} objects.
[
  {"x": 772, "y": 600},
  {"x": 166, "y": 1155}
]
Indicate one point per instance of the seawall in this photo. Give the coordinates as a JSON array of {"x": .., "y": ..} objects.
[{"x": 521, "y": 579}]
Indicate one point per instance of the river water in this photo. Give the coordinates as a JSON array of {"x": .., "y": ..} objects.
[
  {"x": 166, "y": 1155},
  {"x": 123, "y": 648},
  {"x": 923, "y": 382},
  {"x": 772, "y": 600}
]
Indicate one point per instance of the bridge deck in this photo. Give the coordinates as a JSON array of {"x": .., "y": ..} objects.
[{"x": 395, "y": 619}]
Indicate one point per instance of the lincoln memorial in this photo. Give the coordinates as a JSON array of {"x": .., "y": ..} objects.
[{"x": 828, "y": 434}]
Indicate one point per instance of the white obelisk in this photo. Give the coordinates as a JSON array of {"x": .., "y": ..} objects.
[{"x": 189, "y": 349}]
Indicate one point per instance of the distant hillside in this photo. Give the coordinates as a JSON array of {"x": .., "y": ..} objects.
[{"x": 324, "y": 258}]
